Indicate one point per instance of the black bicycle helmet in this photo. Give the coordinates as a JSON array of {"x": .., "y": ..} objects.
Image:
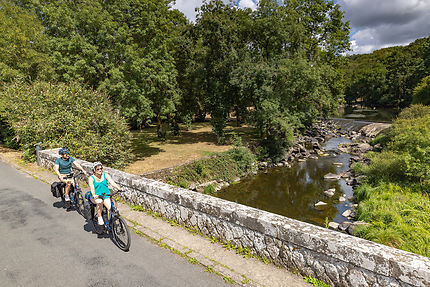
[{"x": 63, "y": 150}]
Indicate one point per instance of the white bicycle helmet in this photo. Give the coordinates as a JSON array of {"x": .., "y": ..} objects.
[{"x": 96, "y": 164}]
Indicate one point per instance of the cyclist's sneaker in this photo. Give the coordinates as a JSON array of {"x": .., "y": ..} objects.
[
  {"x": 67, "y": 198},
  {"x": 100, "y": 220}
]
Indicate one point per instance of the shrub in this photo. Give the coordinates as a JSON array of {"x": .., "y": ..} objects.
[
  {"x": 406, "y": 150},
  {"x": 225, "y": 166},
  {"x": 410, "y": 135},
  {"x": 382, "y": 138},
  {"x": 421, "y": 94},
  {"x": 209, "y": 189},
  {"x": 65, "y": 115},
  {"x": 6, "y": 135},
  {"x": 395, "y": 198},
  {"x": 414, "y": 112},
  {"x": 387, "y": 166}
]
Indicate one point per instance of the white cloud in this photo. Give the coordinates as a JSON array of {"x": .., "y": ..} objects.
[
  {"x": 385, "y": 23},
  {"x": 248, "y": 4},
  {"x": 188, "y": 7},
  {"x": 376, "y": 23}
]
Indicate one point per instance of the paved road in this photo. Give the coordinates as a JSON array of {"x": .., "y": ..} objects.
[{"x": 43, "y": 245}]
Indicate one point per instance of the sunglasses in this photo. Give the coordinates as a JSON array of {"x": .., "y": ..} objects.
[{"x": 99, "y": 168}]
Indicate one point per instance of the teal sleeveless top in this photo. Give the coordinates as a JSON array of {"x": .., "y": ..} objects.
[{"x": 102, "y": 186}]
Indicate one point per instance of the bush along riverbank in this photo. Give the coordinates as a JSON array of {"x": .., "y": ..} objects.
[
  {"x": 212, "y": 173},
  {"x": 393, "y": 197}
]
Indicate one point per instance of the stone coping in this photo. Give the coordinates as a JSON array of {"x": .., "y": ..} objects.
[{"x": 406, "y": 267}]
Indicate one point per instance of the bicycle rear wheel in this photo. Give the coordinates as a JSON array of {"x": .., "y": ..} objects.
[
  {"x": 62, "y": 194},
  {"x": 79, "y": 198},
  {"x": 121, "y": 233}
]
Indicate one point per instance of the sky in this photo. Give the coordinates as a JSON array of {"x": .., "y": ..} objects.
[{"x": 375, "y": 24}]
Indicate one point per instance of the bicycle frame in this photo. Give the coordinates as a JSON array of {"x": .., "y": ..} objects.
[
  {"x": 74, "y": 189},
  {"x": 113, "y": 222},
  {"x": 109, "y": 215}
]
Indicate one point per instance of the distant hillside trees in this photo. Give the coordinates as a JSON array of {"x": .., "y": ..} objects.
[{"x": 387, "y": 77}]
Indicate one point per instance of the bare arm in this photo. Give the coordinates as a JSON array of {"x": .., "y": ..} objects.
[
  {"x": 112, "y": 182},
  {"x": 80, "y": 167},
  {"x": 57, "y": 170},
  {"x": 91, "y": 184}
]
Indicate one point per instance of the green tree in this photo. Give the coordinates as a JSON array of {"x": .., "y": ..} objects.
[
  {"x": 404, "y": 71},
  {"x": 23, "y": 51},
  {"x": 122, "y": 48},
  {"x": 291, "y": 73},
  {"x": 217, "y": 28},
  {"x": 369, "y": 86},
  {"x": 421, "y": 94},
  {"x": 144, "y": 82}
]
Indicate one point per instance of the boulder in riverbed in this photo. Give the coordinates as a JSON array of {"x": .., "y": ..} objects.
[
  {"x": 333, "y": 225},
  {"x": 320, "y": 203},
  {"x": 344, "y": 225},
  {"x": 330, "y": 192},
  {"x": 346, "y": 213},
  {"x": 373, "y": 129},
  {"x": 354, "y": 225},
  {"x": 332, "y": 176}
]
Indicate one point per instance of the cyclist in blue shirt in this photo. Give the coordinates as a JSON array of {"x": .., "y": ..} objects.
[
  {"x": 62, "y": 167},
  {"x": 98, "y": 183}
]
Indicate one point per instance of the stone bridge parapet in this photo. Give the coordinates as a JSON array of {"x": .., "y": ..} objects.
[{"x": 330, "y": 256}]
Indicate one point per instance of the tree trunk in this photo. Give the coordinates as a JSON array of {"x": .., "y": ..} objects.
[{"x": 159, "y": 127}]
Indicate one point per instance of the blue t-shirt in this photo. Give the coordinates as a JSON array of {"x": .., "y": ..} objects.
[{"x": 65, "y": 165}]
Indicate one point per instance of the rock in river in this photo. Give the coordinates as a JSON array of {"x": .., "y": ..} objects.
[
  {"x": 332, "y": 176},
  {"x": 330, "y": 192},
  {"x": 320, "y": 203}
]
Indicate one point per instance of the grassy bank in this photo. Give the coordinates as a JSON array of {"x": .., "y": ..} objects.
[
  {"x": 225, "y": 166},
  {"x": 395, "y": 197},
  {"x": 399, "y": 217}
]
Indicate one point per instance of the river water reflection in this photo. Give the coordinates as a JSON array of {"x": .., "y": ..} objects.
[{"x": 293, "y": 192}]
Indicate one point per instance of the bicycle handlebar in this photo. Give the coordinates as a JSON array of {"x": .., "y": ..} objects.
[
  {"x": 73, "y": 174},
  {"x": 103, "y": 195}
]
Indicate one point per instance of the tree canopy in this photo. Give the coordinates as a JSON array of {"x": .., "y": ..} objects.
[{"x": 276, "y": 68}]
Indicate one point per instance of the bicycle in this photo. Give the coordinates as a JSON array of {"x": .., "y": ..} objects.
[
  {"x": 75, "y": 193},
  {"x": 114, "y": 224}
]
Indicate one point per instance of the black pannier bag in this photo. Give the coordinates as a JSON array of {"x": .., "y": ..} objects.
[{"x": 56, "y": 189}]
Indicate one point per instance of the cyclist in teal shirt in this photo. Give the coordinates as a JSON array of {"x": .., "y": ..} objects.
[
  {"x": 62, "y": 167},
  {"x": 98, "y": 183}
]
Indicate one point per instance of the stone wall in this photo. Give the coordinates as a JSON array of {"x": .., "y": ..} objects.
[{"x": 333, "y": 257}]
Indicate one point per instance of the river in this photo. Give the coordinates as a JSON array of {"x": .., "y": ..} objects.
[{"x": 293, "y": 191}]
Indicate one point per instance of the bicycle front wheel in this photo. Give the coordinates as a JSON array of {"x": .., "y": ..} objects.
[{"x": 121, "y": 233}]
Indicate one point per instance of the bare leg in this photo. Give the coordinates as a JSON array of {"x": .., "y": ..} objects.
[
  {"x": 99, "y": 203},
  {"x": 67, "y": 189},
  {"x": 107, "y": 203}
]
